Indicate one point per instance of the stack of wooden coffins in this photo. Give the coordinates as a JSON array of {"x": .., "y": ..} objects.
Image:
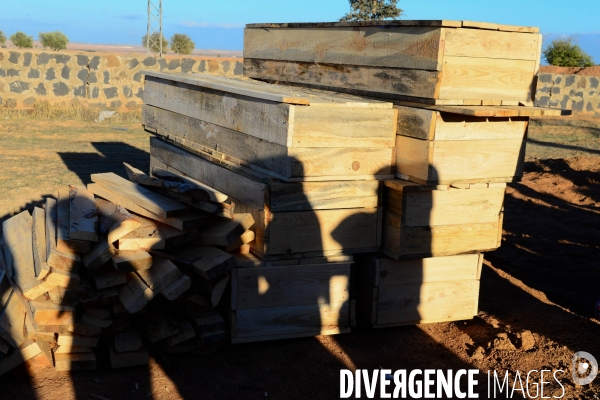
[
  {"x": 462, "y": 90},
  {"x": 306, "y": 164},
  {"x": 118, "y": 267}
]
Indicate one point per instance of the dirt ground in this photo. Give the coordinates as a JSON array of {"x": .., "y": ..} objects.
[
  {"x": 544, "y": 279},
  {"x": 589, "y": 71}
]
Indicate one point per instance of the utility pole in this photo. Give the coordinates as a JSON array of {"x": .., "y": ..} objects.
[{"x": 154, "y": 27}]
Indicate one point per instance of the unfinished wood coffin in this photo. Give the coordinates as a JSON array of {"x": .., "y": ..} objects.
[
  {"x": 271, "y": 303},
  {"x": 423, "y": 221},
  {"x": 291, "y": 219},
  {"x": 286, "y": 163},
  {"x": 435, "y": 147},
  {"x": 438, "y": 62},
  {"x": 425, "y": 290}
]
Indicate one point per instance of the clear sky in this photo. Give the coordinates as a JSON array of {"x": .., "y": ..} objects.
[{"x": 219, "y": 24}]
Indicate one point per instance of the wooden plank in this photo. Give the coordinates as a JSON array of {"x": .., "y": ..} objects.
[
  {"x": 75, "y": 362},
  {"x": 182, "y": 223},
  {"x": 77, "y": 340},
  {"x": 19, "y": 356},
  {"x": 220, "y": 178},
  {"x": 12, "y": 318},
  {"x": 106, "y": 279},
  {"x": 18, "y": 250},
  {"x": 480, "y": 129},
  {"x": 489, "y": 44},
  {"x": 162, "y": 275},
  {"x": 245, "y": 238},
  {"x": 63, "y": 260},
  {"x": 500, "y": 27},
  {"x": 407, "y": 47},
  {"x": 487, "y": 111},
  {"x": 285, "y": 125},
  {"x": 83, "y": 214},
  {"x": 177, "y": 288},
  {"x": 413, "y": 157},
  {"x": 186, "y": 332},
  {"x": 390, "y": 23},
  {"x": 427, "y": 301},
  {"x": 39, "y": 243},
  {"x": 265, "y": 156},
  {"x": 395, "y": 273},
  {"x": 145, "y": 198},
  {"x": 416, "y": 122},
  {"x": 84, "y": 329},
  {"x": 226, "y": 232},
  {"x": 115, "y": 221},
  {"x": 321, "y": 230},
  {"x": 130, "y": 358},
  {"x": 131, "y": 260},
  {"x": 136, "y": 294},
  {"x": 48, "y": 313},
  {"x": 486, "y": 79},
  {"x": 101, "y": 252},
  {"x": 452, "y": 207},
  {"x": 98, "y": 322},
  {"x": 441, "y": 240},
  {"x": 215, "y": 195},
  {"x": 154, "y": 235},
  {"x": 353, "y": 79},
  {"x": 235, "y": 86},
  {"x": 311, "y": 319},
  {"x": 64, "y": 243},
  {"x": 208, "y": 261},
  {"x": 291, "y": 286}
]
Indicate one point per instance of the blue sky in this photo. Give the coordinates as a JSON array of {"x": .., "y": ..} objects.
[{"x": 219, "y": 24}]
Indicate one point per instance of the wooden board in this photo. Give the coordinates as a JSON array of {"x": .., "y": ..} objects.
[
  {"x": 290, "y": 286},
  {"x": 400, "y": 23},
  {"x": 145, "y": 198},
  {"x": 64, "y": 260},
  {"x": 154, "y": 235},
  {"x": 83, "y": 214},
  {"x": 64, "y": 242},
  {"x": 182, "y": 223},
  {"x": 305, "y": 320},
  {"x": 258, "y": 191},
  {"x": 39, "y": 243},
  {"x": 460, "y": 161},
  {"x": 283, "y": 124},
  {"x": 488, "y": 111},
  {"x": 265, "y": 156}
]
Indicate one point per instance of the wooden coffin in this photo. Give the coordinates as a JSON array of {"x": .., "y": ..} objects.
[
  {"x": 424, "y": 221},
  {"x": 434, "y": 147},
  {"x": 437, "y": 62},
  {"x": 286, "y": 132},
  {"x": 282, "y": 302},
  {"x": 291, "y": 219},
  {"x": 425, "y": 290}
]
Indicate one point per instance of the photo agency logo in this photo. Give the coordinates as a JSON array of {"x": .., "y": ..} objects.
[{"x": 464, "y": 383}]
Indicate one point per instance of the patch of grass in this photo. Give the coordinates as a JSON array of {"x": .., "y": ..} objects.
[{"x": 75, "y": 112}]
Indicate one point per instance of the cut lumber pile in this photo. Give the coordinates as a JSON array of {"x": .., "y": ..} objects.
[{"x": 118, "y": 267}]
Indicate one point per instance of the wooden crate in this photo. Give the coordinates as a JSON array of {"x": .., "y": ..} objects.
[
  {"x": 438, "y": 62},
  {"x": 289, "y": 133},
  {"x": 434, "y": 147},
  {"x": 424, "y": 221},
  {"x": 291, "y": 219},
  {"x": 270, "y": 303},
  {"x": 409, "y": 292}
]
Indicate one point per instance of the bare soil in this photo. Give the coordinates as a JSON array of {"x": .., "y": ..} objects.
[
  {"x": 588, "y": 71},
  {"x": 544, "y": 280}
]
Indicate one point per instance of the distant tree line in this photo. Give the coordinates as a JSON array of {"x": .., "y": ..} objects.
[
  {"x": 54, "y": 40},
  {"x": 180, "y": 43}
]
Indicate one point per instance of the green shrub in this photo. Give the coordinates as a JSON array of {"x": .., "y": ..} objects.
[
  {"x": 21, "y": 40},
  {"x": 182, "y": 44},
  {"x": 565, "y": 53},
  {"x": 55, "y": 40}
]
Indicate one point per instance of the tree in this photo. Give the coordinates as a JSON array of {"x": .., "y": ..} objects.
[
  {"x": 367, "y": 10},
  {"x": 565, "y": 53},
  {"x": 2, "y": 38},
  {"x": 182, "y": 44},
  {"x": 55, "y": 40},
  {"x": 155, "y": 42},
  {"x": 21, "y": 40}
]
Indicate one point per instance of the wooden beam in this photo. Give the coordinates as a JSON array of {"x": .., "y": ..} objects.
[
  {"x": 154, "y": 235},
  {"x": 39, "y": 243},
  {"x": 226, "y": 233},
  {"x": 131, "y": 260},
  {"x": 57, "y": 259},
  {"x": 115, "y": 221},
  {"x": 101, "y": 253}
]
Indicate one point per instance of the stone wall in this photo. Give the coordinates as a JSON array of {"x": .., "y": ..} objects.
[
  {"x": 579, "y": 93},
  {"x": 104, "y": 80}
]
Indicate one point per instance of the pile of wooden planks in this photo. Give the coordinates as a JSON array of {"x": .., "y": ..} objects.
[
  {"x": 117, "y": 267},
  {"x": 463, "y": 91}
]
